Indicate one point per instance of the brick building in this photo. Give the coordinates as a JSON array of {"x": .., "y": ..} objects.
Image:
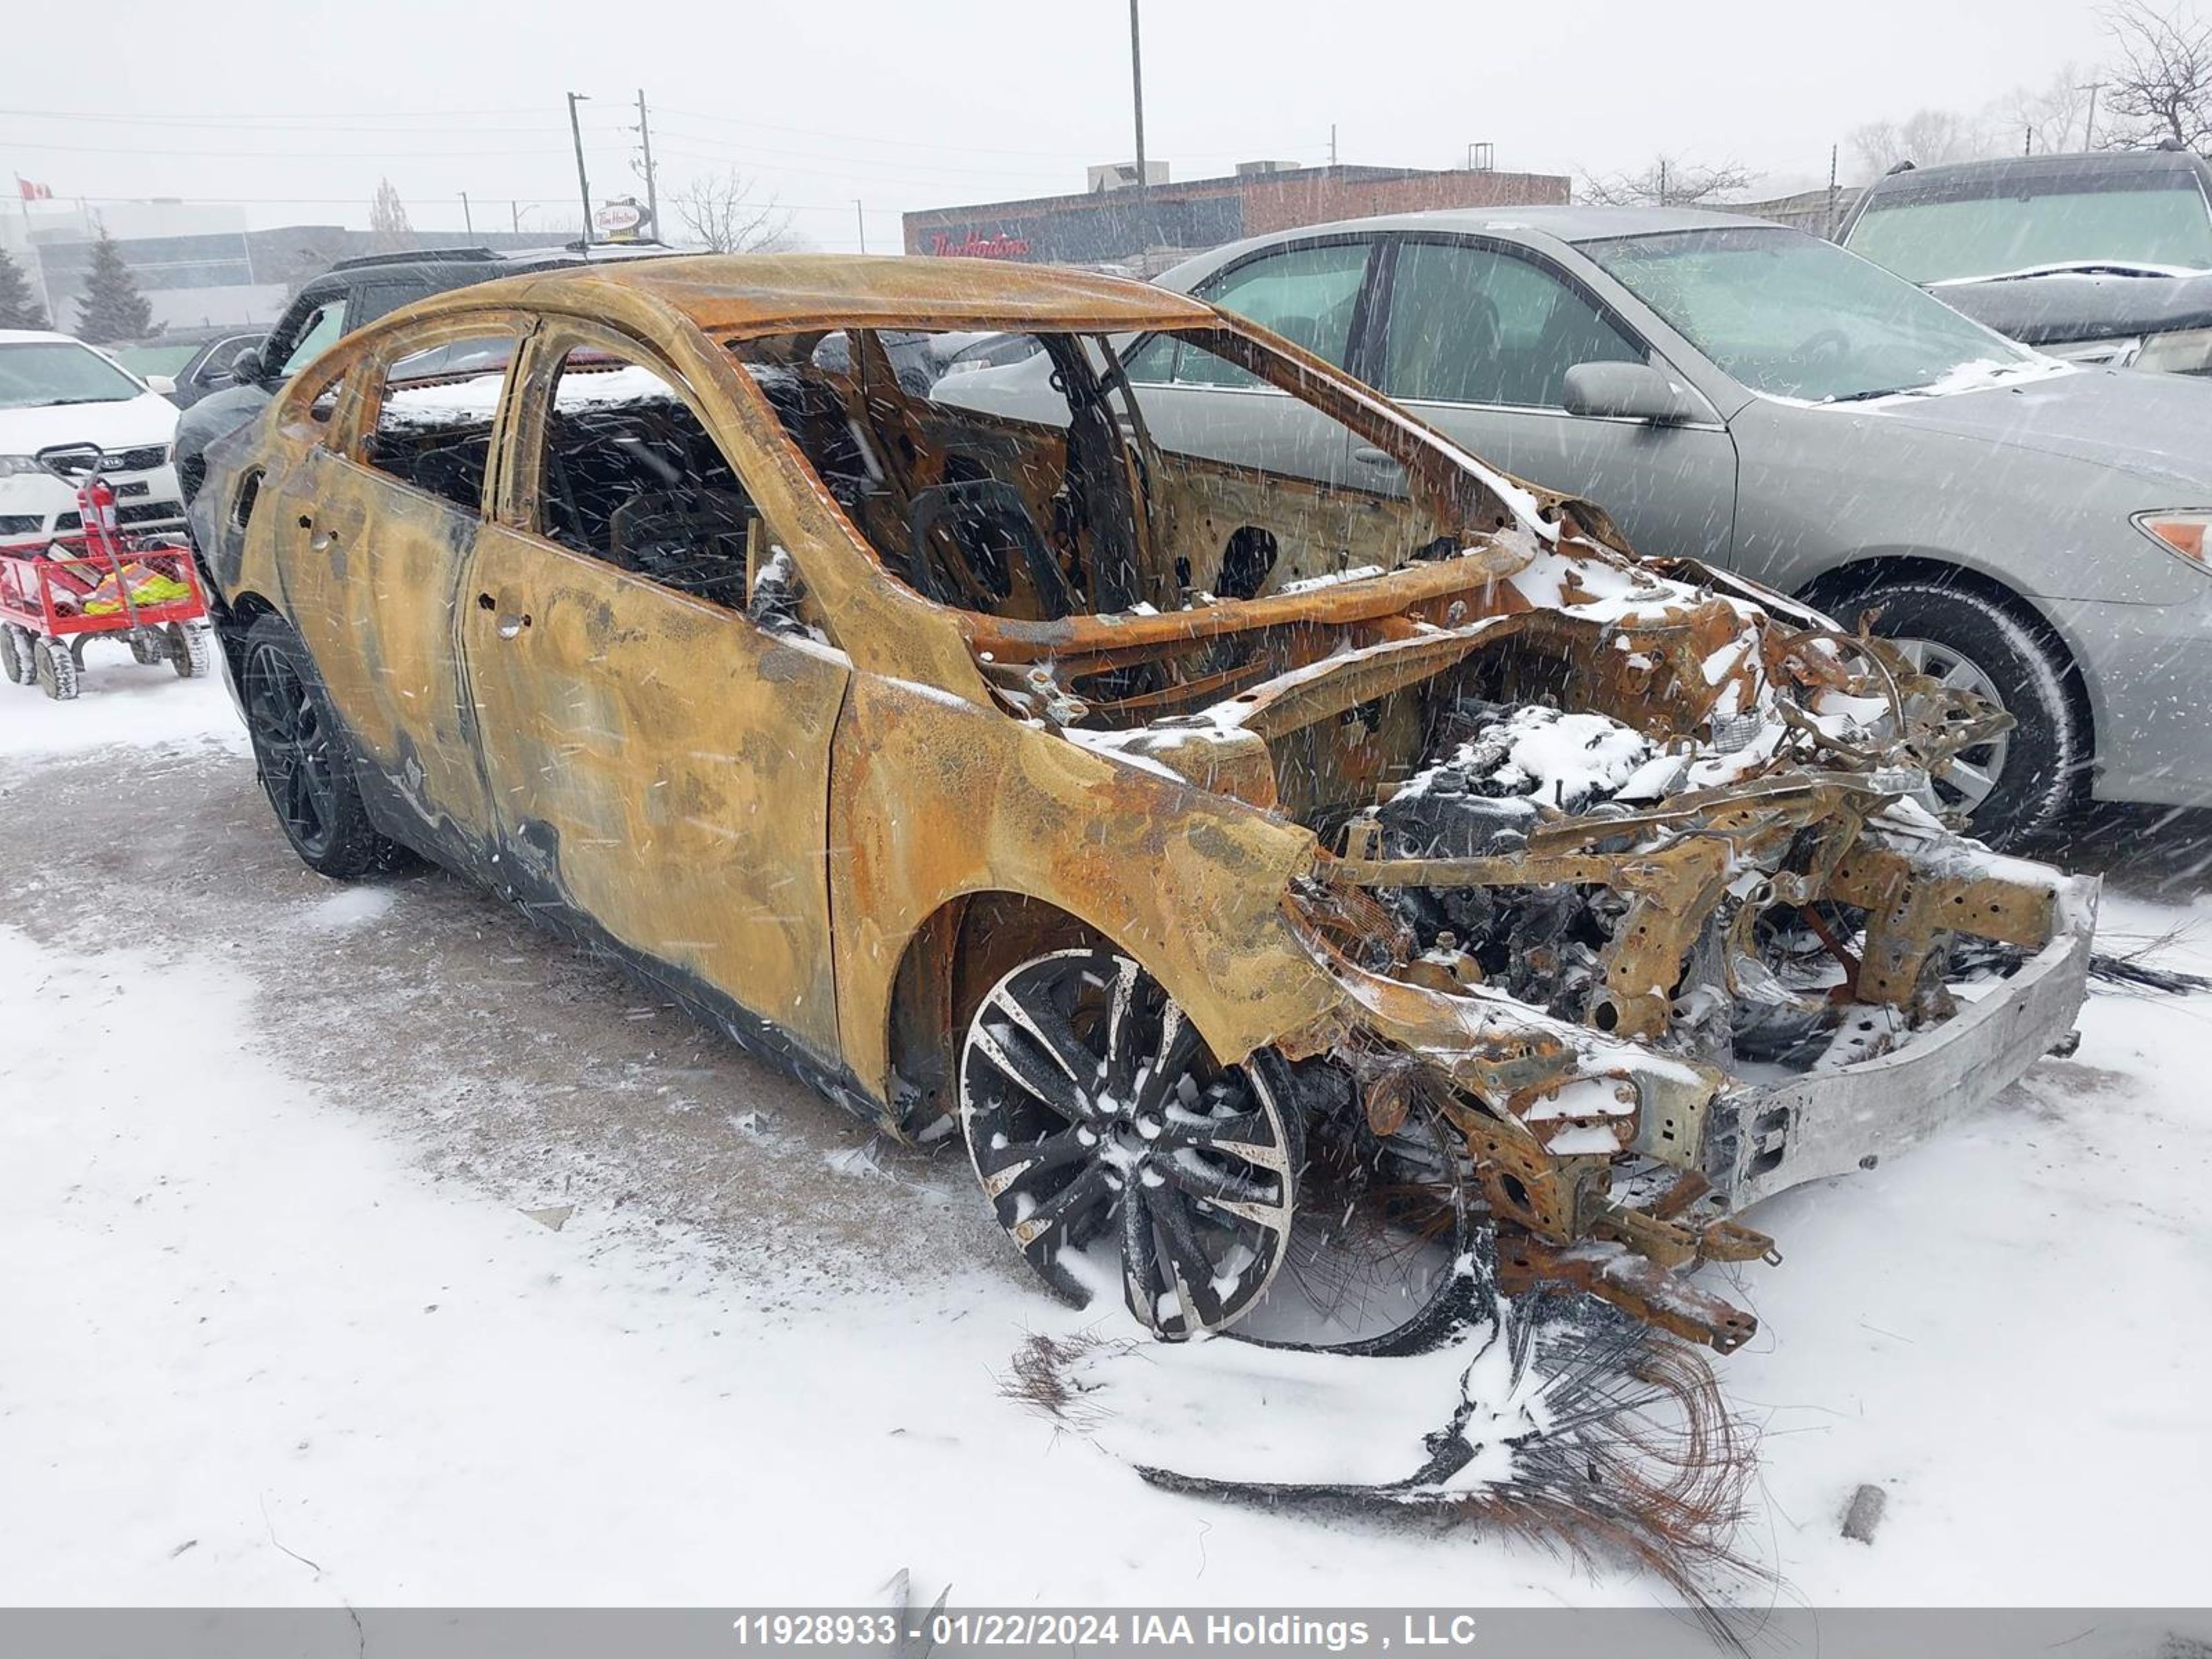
[{"x": 1148, "y": 228}]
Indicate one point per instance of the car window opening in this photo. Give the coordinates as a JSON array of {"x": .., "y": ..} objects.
[
  {"x": 434, "y": 419},
  {"x": 633, "y": 477}
]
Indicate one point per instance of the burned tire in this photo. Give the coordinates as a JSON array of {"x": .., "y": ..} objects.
[
  {"x": 2020, "y": 782},
  {"x": 18, "y": 654},
  {"x": 1390, "y": 1251},
  {"x": 300, "y": 752},
  {"x": 57, "y": 670},
  {"x": 1112, "y": 1147}
]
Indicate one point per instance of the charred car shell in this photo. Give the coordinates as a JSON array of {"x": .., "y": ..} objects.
[{"x": 1584, "y": 897}]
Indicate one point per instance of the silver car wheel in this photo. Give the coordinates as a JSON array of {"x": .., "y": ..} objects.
[{"x": 1967, "y": 783}]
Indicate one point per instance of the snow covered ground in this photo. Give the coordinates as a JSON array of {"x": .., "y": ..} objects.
[{"x": 287, "y": 1317}]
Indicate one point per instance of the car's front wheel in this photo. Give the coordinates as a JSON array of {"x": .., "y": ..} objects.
[
  {"x": 1254, "y": 1199},
  {"x": 305, "y": 763},
  {"x": 1114, "y": 1148},
  {"x": 2019, "y": 782}
]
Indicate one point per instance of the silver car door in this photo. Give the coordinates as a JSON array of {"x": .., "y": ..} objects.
[{"x": 1477, "y": 338}]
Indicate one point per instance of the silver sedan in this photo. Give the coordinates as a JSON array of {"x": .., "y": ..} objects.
[{"x": 1745, "y": 394}]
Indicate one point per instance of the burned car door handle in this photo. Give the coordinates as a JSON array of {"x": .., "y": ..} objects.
[{"x": 511, "y": 623}]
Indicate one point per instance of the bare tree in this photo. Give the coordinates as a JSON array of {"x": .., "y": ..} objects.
[
  {"x": 2160, "y": 87},
  {"x": 2049, "y": 119},
  {"x": 719, "y": 209},
  {"x": 1925, "y": 137},
  {"x": 1669, "y": 182},
  {"x": 389, "y": 231}
]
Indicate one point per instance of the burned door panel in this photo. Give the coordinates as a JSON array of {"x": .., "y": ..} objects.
[
  {"x": 660, "y": 766},
  {"x": 372, "y": 574}
]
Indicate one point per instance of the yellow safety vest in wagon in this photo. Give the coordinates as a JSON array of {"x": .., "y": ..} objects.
[{"x": 148, "y": 587}]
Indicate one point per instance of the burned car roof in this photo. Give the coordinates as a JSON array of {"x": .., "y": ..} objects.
[{"x": 747, "y": 295}]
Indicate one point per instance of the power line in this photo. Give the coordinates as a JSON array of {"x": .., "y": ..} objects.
[
  {"x": 251, "y": 120},
  {"x": 401, "y": 123},
  {"x": 862, "y": 137},
  {"x": 1314, "y": 148},
  {"x": 314, "y": 155},
  {"x": 858, "y": 162},
  {"x": 280, "y": 201}
]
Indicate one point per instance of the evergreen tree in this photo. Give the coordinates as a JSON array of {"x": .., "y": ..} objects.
[
  {"x": 389, "y": 231},
  {"x": 19, "y": 303},
  {"x": 111, "y": 307}
]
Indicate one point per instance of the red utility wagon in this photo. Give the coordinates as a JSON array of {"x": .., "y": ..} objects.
[{"x": 144, "y": 590}]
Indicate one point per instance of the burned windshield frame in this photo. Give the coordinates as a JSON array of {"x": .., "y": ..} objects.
[{"x": 1045, "y": 488}]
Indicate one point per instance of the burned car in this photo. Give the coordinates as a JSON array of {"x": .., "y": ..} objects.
[{"x": 1307, "y": 904}]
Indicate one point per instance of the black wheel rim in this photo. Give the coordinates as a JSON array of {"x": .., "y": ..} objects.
[
  {"x": 1112, "y": 1147},
  {"x": 293, "y": 746}
]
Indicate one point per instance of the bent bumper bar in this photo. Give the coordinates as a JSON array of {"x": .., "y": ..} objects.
[{"x": 1827, "y": 1123}]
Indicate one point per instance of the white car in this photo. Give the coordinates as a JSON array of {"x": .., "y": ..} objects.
[{"x": 55, "y": 390}]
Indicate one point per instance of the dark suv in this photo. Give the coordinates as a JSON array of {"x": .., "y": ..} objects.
[
  {"x": 350, "y": 294},
  {"x": 2101, "y": 259}
]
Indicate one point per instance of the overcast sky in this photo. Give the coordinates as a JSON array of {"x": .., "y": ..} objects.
[{"x": 905, "y": 105}]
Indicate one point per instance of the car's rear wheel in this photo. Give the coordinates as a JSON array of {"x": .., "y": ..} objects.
[
  {"x": 2019, "y": 783},
  {"x": 305, "y": 763},
  {"x": 1115, "y": 1149}
]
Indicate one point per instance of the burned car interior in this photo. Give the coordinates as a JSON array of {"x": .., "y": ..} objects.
[{"x": 1594, "y": 893}]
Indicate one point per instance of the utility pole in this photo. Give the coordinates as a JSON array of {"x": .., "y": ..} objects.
[
  {"x": 515, "y": 212},
  {"x": 1662, "y": 181},
  {"x": 2089, "y": 126},
  {"x": 468, "y": 221},
  {"x": 652, "y": 193},
  {"x": 1144, "y": 180},
  {"x": 1332, "y": 143},
  {"x": 860, "y": 218},
  {"x": 1832, "y": 150},
  {"x": 583, "y": 184}
]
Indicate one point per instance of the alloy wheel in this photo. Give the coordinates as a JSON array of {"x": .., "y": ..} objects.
[
  {"x": 1973, "y": 774},
  {"x": 292, "y": 746},
  {"x": 1112, "y": 1147}
]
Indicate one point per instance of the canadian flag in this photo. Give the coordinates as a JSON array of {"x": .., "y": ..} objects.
[{"x": 31, "y": 192}]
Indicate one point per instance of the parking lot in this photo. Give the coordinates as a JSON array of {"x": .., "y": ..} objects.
[
  {"x": 1089, "y": 832},
  {"x": 382, "y": 1249}
]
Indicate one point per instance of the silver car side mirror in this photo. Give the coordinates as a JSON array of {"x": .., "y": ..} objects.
[{"x": 1628, "y": 391}]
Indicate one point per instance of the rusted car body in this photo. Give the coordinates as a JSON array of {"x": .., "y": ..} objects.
[{"x": 1453, "y": 819}]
